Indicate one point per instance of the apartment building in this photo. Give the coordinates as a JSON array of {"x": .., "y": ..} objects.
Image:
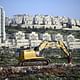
[
  {"x": 34, "y": 43},
  {"x": 46, "y": 36},
  {"x": 73, "y": 22},
  {"x": 78, "y": 22},
  {"x": 28, "y": 19},
  {"x": 33, "y": 36},
  {"x": 19, "y": 35},
  {"x": 8, "y": 21},
  {"x": 2, "y": 25},
  {"x": 74, "y": 45},
  {"x": 46, "y": 21},
  {"x": 34, "y": 39},
  {"x": 58, "y": 37},
  {"x": 20, "y": 39},
  {"x": 70, "y": 38},
  {"x": 18, "y": 19},
  {"x": 38, "y": 19}
]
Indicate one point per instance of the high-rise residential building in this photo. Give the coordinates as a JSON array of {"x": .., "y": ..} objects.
[
  {"x": 8, "y": 21},
  {"x": 73, "y": 22},
  {"x": 18, "y": 19},
  {"x": 39, "y": 19},
  {"x": 47, "y": 20},
  {"x": 2, "y": 25},
  {"x": 28, "y": 19}
]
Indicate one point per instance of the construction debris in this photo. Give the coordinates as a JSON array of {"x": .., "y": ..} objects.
[{"x": 52, "y": 69}]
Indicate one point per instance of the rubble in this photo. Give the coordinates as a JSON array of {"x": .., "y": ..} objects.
[{"x": 51, "y": 69}]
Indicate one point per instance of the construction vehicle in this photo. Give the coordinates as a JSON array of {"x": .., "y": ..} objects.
[
  {"x": 60, "y": 44},
  {"x": 34, "y": 56}
]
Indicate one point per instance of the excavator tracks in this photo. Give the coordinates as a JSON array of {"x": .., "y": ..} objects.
[{"x": 34, "y": 62}]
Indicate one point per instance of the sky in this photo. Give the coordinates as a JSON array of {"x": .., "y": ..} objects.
[{"x": 68, "y": 8}]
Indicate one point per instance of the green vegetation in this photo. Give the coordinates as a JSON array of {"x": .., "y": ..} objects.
[
  {"x": 10, "y": 29},
  {"x": 7, "y": 56}
]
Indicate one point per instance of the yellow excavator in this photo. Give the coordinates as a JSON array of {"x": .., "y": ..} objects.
[
  {"x": 33, "y": 57},
  {"x": 30, "y": 57}
]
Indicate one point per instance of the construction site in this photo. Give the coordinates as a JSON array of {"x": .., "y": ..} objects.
[
  {"x": 31, "y": 65},
  {"x": 39, "y": 40}
]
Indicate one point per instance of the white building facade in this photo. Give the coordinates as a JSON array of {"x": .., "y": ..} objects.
[{"x": 2, "y": 25}]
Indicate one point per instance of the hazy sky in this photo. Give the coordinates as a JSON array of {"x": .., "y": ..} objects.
[{"x": 69, "y": 8}]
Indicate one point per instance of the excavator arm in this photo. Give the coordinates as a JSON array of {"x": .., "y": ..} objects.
[
  {"x": 62, "y": 46},
  {"x": 43, "y": 45}
]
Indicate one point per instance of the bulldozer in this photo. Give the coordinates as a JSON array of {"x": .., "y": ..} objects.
[{"x": 33, "y": 57}]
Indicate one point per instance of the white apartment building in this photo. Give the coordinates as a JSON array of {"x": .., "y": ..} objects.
[
  {"x": 8, "y": 21},
  {"x": 38, "y": 19},
  {"x": 18, "y": 19},
  {"x": 2, "y": 25},
  {"x": 10, "y": 43},
  {"x": 20, "y": 39},
  {"x": 65, "y": 19},
  {"x": 34, "y": 43},
  {"x": 22, "y": 42},
  {"x": 74, "y": 45},
  {"x": 47, "y": 20},
  {"x": 70, "y": 38},
  {"x": 46, "y": 36},
  {"x": 56, "y": 20},
  {"x": 77, "y": 22},
  {"x": 10, "y": 40},
  {"x": 53, "y": 20},
  {"x": 19, "y": 35},
  {"x": 58, "y": 37},
  {"x": 28, "y": 19},
  {"x": 56, "y": 23},
  {"x": 33, "y": 36},
  {"x": 73, "y": 22}
]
